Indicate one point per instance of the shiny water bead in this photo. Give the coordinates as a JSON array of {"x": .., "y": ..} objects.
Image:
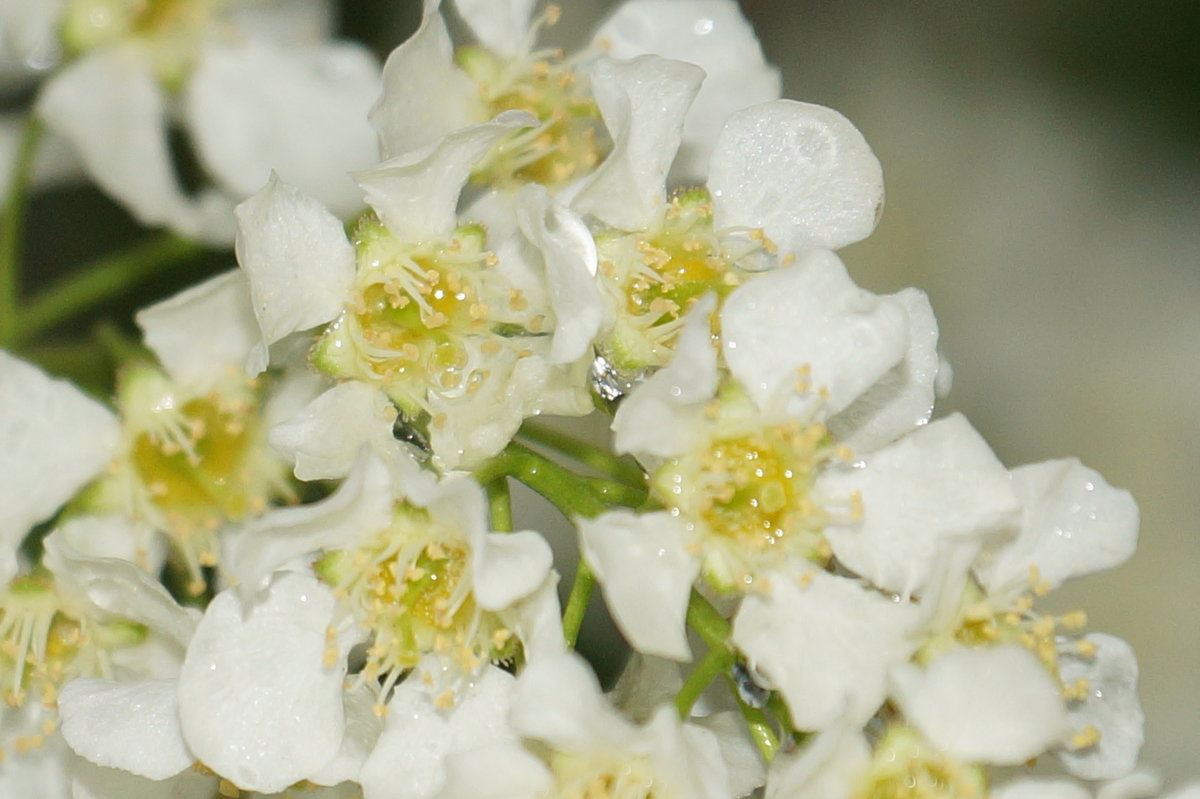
[
  {"x": 171, "y": 30},
  {"x": 653, "y": 277},
  {"x": 43, "y": 644},
  {"x": 905, "y": 766},
  {"x": 410, "y": 586},
  {"x": 422, "y": 318},
  {"x": 191, "y": 464},
  {"x": 747, "y": 490},
  {"x": 570, "y": 140}
]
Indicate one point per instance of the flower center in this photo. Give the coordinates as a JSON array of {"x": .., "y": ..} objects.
[
  {"x": 410, "y": 587},
  {"x": 904, "y": 766},
  {"x": 653, "y": 277},
  {"x": 747, "y": 491},
  {"x": 42, "y": 645},
  {"x": 571, "y": 139},
  {"x": 170, "y": 30},
  {"x": 580, "y": 777},
  {"x": 422, "y": 318}
]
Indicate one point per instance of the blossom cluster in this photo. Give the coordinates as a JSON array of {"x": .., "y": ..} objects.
[{"x": 280, "y": 558}]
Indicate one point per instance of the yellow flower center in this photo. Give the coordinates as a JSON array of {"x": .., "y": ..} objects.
[
  {"x": 905, "y": 766},
  {"x": 604, "y": 777}
]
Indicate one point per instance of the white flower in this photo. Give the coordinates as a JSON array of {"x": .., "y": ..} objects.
[
  {"x": 133, "y": 69},
  {"x": 418, "y": 306}
]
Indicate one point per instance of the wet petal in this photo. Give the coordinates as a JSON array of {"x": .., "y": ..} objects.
[{"x": 1111, "y": 706}]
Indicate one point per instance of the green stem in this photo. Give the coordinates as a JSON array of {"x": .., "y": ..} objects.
[
  {"x": 715, "y": 662},
  {"x": 615, "y": 493},
  {"x": 620, "y": 468},
  {"x": 759, "y": 726},
  {"x": 500, "y": 503},
  {"x": 12, "y": 226},
  {"x": 577, "y": 601},
  {"x": 564, "y": 489},
  {"x": 103, "y": 279},
  {"x": 711, "y": 626}
]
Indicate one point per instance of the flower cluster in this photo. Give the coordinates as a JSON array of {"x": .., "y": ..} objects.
[{"x": 280, "y": 559}]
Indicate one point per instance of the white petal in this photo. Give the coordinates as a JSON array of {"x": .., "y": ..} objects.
[
  {"x": 646, "y": 574},
  {"x": 416, "y": 193},
  {"x": 1073, "y": 523},
  {"x": 801, "y": 172},
  {"x": 55, "y": 440},
  {"x": 297, "y": 260},
  {"x": 130, "y": 726},
  {"x": 30, "y": 31},
  {"x": 827, "y": 643},
  {"x": 120, "y": 589},
  {"x": 569, "y": 252},
  {"x": 557, "y": 700},
  {"x": 996, "y": 705},
  {"x": 361, "y": 506},
  {"x": 643, "y": 102},
  {"x": 1040, "y": 789},
  {"x": 939, "y": 485},
  {"x": 500, "y": 771},
  {"x": 903, "y": 398},
  {"x": 500, "y": 25},
  {"x": 302, "y": 115},
  {"x": 201, "y": 331},
  {"x": 828, "y": 766},
  {"x": 115, "y": 537},
  {"x": 256, "y": 701},
  {"x": 510, "y": 566},
  {"x": 741, "y": 758},
  {"x": 715, "y": 36},
  {"x": 811, "y": 314},
  {"x": 110, "y": 107},
  {"x": 325, "y": 438},
  {"x": 89, "y": 781},
  {"x": 659, "y": 416},
  {"x": 363, "y": 728},
  {"x": 1139, "y": 785},
  {"x": 425, "y": 94},
  {"x": 1111, "y": 706},
  {"x": 409, "y": 761}
]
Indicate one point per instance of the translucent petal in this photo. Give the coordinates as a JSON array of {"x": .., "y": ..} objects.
[
  {"x": 939, "y": 485},
  {"x": 826, "y": 643},
  {"x": 425, "y": 94},
  {"x": 130, "y": 726},
  {"x": 643, "y": 102},
  {"x": 715, "y": 36},
  {"x": 801, "y": 172},
  {"x": 996, "y": 705},
  {"x": 303, "y": 116},
  {"x": 55, "y": 439},
  {"x": 416, "y": 194},
  {"x": 203, "y": 330},
  {"x": 646, "y": 574},
  {"x": 257, "y": 702},
  {"x": 811, "y": 315},
  {"x": 1073, "y": 523},
  {"x": 500, "y": 25},
  {"x": 297, "y": 260},
  {"x": 1111, "y": 705}
]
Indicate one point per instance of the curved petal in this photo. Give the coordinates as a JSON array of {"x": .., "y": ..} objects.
[
  {"x": 715, "y": 36},
  {"x": 416, "y": 194},
  {"x": 811, "y": 315},
  {"x": 55, "y": 439},
  {"x": 940, "y": 485},
  {"x": 1073, "y": 523},
  {"x": 297, "y": 260},
  {"x": 902, "y": 399},
  {"x": 203, "y": 330},
  {"x": 829, "y": 765},
  {"x": 1111, "y": 706},
  {"x": 510, "y": 566},
  {"x": 646, "y": 574},
  {"x": 643, "y": 102},
  {"x": 303, "y": 116},
  {"x": 827, "y": 643},
  {"x": 259, "y": 700},
  {"x": 500, "y": 25},
  {"x": 109, "y": 106},
  {"x": 425, "y": 94},
  {"x": 569, "y": 253},
  {"x": 996, "y": 705},
  {"x": 801, "y": 172},
  {"x": 499, "y": 771},
  {"x": 557, "y": 700},
  {"x": 130, "y": 726}
]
